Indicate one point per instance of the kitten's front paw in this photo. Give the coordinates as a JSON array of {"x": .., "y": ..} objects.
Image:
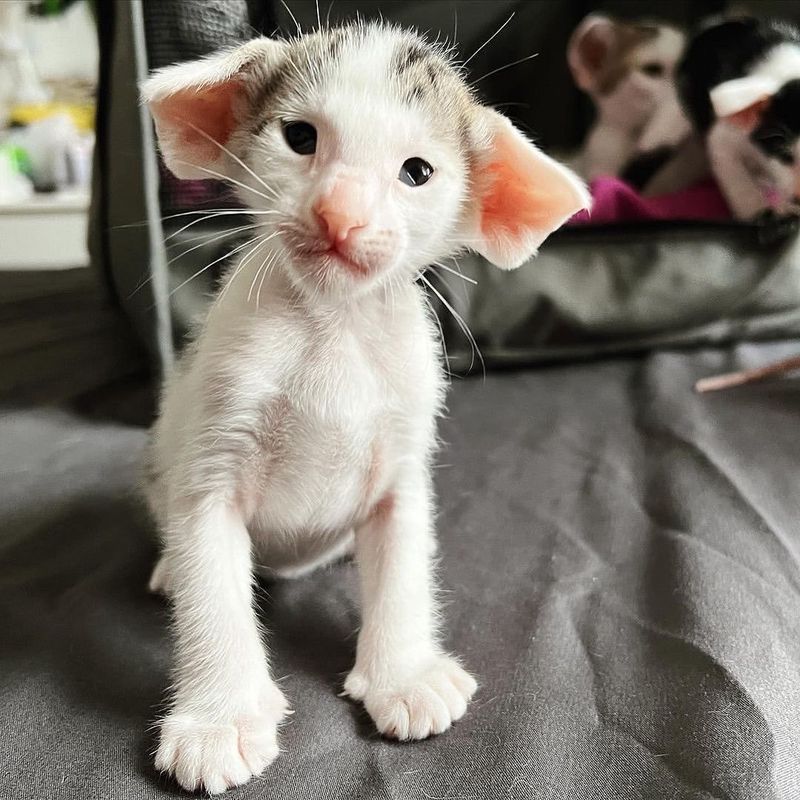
[
  {"x": 418, "y": 705},
  {"x": 215, "y": 756}
]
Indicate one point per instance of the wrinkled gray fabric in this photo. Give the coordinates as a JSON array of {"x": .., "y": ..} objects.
[{"x": 620, "y": 561}]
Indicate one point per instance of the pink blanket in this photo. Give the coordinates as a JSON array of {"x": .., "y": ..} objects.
[{"x": 613, "y": 200}]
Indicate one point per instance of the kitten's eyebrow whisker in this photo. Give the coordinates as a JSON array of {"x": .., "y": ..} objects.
[
  {"x": 319, "y": 21},
  {"x": 511, "y": 16},
  {"x": 294, "y": 18},
  {"x": 507, "y": 66},
  {"x": 234, "y": 157}
]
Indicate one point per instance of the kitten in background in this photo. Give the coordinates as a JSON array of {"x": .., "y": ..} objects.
[{"x": 628, "y": 70}]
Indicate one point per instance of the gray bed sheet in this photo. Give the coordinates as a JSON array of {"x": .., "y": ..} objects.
[{"x": 621, "y": 566}]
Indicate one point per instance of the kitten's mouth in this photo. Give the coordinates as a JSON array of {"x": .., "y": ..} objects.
[
  {"x": 352, "y": 266},
  {"x": 328, "y": 255}
]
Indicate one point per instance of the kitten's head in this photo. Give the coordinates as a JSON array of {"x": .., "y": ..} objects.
[
  {"x": 369, "y": 150},
  {"x": 628, "y": 69}
]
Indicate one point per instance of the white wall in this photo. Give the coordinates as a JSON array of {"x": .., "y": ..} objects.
[{"x": 64, "y": 46}]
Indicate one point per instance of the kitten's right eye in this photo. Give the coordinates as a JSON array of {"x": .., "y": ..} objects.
[
  {"x": 654, "y": 69},
  {"x": 301, "y": 137}
]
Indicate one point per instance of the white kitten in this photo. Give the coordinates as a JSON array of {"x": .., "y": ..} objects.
[{"x": 301, "y": 422}]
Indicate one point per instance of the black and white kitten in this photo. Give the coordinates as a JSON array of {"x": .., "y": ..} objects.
[{"x": 739, "y": 81}]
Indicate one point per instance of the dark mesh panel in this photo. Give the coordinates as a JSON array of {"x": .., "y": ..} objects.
[{"x": 178, "y": 30}]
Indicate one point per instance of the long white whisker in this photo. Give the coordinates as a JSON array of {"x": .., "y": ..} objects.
[
  {"x": 208, "y": 266},
  {"x": 264, "y": 275},
  {"x": 294, "y": 18},
  {"x": 255, "y": 276},
  {"x": 207, "y": 237},
  {"x": 262, "y": 270},
  {"x": 319, "y": 21},
  {"x": 213, "y": 216},
  {"x": 463, "y": 288},
  {"x": 240, "y": 266},
  {"x": 450, "y": 290},
  {"x": 213, "y": 239},
  {"x": 242, "y": 210},
  {"x": 235, "y": 158},
  {"x": 511, "y": 16},
  {"x": 507, "y": 66},
  {"x": 188, "y": 213},
  {"x": 455, "y": 272},
  {"x": 222, "y": 177},
  {"x": 441, "y": 332},
  {"x": 217, "y": 260},
  {"x": 461, "y": 324}
]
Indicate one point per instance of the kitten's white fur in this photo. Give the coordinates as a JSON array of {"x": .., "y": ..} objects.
[{"x": 301, "y": 422}]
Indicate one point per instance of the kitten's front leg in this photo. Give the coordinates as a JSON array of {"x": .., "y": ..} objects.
[
  {"x": 222, "y": 725},
  {"x": 410, "y": 688}
]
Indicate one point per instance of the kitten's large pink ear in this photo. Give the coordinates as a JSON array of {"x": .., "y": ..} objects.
[
  {"x": 198, "y": 106},
  {"x": 522, "y": 195}
]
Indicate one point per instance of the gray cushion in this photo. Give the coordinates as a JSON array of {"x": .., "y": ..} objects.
[{"x": 606, "y": 291}]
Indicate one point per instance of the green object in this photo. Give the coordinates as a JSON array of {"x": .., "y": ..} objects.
[
  {"x": 50, "y": 8},
  {"x": 19, "y": 158}
]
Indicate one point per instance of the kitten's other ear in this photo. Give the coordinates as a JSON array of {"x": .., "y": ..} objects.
[
  {"x": 521, "y": 195},
  {"x": 742, "y": 101},
  {"x": 589, "y": 50},
  {"x": 198, "y": 103}
]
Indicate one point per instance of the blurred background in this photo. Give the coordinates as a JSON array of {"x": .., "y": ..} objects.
[{"x": 94, "y": 267}]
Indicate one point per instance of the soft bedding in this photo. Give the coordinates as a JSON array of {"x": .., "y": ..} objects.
[{"x": 620, "y": 560}]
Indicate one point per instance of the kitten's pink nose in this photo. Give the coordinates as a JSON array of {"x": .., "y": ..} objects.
[
  {"x": 342, "y": 211},
  {"x": 339, "y": 225}
]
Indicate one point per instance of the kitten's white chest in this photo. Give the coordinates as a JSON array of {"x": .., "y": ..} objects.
[{"x": 348, "y": 411}]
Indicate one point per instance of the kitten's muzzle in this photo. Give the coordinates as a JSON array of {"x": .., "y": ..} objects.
[{"x": 342, "y": 210}]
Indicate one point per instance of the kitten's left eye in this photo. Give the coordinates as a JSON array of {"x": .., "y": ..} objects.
[{"x": 415, "y": 172}]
